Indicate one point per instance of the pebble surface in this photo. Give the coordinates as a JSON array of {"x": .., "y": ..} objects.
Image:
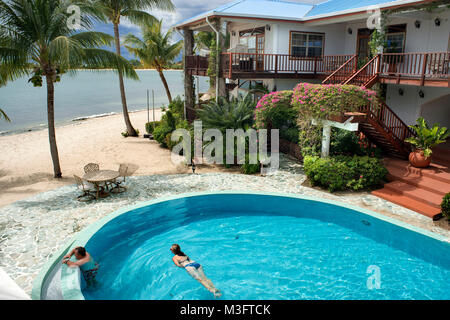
[{"x": 32, "y": 230}]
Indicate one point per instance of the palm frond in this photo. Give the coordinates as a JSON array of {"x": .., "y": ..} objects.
[{"x": 4, "y": 116}]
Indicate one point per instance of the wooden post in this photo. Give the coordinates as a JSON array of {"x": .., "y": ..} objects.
[
  {"x": 424, "y": 68},
  {"x": 379, "y": 63},
  {"x": 315, "y": 66},
  {"x": 276, "y": 64},
  {"x": 189, "y": 99},
  {"x": 230, "y": 64},
  {"x": 221, "y": 80}
]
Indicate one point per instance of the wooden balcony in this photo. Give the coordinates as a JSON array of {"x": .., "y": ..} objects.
[
  {"x": 267, "y": 66},
  {"x": 197, "y": 65},
  {"x": 421, "y": 69},
  {"x": 260, "y": 66}
]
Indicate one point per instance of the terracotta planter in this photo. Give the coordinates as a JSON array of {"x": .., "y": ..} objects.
[{"x": 418, "y": 160}]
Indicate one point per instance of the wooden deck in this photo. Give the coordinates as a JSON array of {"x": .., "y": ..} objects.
[{"x": 421, "y": 69}]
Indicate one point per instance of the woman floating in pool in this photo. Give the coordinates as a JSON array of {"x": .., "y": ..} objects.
[
  {"x": 193, "y": 268},
  {"x": 87, "y": 265}
]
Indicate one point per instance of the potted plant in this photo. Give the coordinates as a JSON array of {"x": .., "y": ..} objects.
[{"x": 426, "y": 138}]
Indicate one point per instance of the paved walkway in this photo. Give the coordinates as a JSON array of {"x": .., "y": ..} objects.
[{"x": 32, "y": 230}]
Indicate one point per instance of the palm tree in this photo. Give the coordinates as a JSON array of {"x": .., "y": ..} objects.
[
  {"x": 204, "y": 40},
  {"x": 155, "y": 50},
  {"x": 4, "y": 116},
  {"x": 36, "y": 39},
  {"x": 133, "y": 10}
]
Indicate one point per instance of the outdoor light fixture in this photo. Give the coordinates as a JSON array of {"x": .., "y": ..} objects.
[
  {"x": 349, "y": 30},
  {"x": 233, "y": 33},
  {"x": 421, "y": 94},
  {"x": 437, "y": 22},
  {"x": 400, "y": 91},
  {"x": 268, "y": 27},
  {"x": 417, "y": 24}
]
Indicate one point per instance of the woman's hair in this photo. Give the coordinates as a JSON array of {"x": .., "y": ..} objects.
[
  {"x": 81, "y": 251},
  {"x": 177, "y": 250}
]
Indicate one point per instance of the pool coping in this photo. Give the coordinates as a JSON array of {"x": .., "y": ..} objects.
[{"x": 70, "y": 285}]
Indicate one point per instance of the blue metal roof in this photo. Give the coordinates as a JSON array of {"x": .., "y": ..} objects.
[
  {"x": 333, "y": 6},
  {"x": 270, "y": 8},
  {"x": 289, "y": 10}
]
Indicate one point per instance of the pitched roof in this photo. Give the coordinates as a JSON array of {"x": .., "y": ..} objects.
[{"x": 284, "y": 10}]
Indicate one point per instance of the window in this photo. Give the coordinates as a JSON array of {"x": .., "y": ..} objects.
[
  {"x": 306, "y": 44},
  {"x": 395, "y": 38},
  {"x": 395, "y": 42},
  {"x": 248, "y": 38}
]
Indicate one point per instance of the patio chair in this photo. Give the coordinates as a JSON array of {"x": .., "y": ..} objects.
[
  {"x": 87, "y": 188},
  {"x": 90, "y": 167},
  {"x": 118, "y": 187}
]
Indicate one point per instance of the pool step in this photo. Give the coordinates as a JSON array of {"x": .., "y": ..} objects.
[{"x": 420, "y": 190}]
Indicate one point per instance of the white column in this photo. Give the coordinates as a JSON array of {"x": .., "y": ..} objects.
[{"x": 326, "y": 137}]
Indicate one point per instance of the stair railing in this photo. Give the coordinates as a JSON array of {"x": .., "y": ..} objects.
[
  {"x": 389, "y": 122},
  {"x": 342, "y": 73},
  {"x": 364, "y": 75}
]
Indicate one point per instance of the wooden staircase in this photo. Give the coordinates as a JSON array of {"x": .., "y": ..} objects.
[
  {"x": 384, "y": 128},
  {"x": 348, "y": 73},
  {"x": 367, "y": 76},
  {"x": 346, "y": 70}
]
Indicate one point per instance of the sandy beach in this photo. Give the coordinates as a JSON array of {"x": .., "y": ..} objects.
[{"x": 26, "y": 166}]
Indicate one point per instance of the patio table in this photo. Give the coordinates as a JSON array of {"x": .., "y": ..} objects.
[{"x": 99, "y": 177}]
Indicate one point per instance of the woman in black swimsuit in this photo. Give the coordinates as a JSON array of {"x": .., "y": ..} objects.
[{"x": 193, "y": 268}]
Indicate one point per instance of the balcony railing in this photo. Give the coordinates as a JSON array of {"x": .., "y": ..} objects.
[
  {"x": 431, "y": 65},
  {"x": 419, "y": 66},
  {"x": 197, "y": 65},
  {"x": 253, "y": 63}
]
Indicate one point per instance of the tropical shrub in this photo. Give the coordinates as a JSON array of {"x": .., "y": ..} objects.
[
  {"x": 149, "y": 126},
  {"x": 445, "y": 205},
  {"x": 345, "y": 172},
  {"x": 426, "y": 137},
  {"x": 235, "y": 113},
  {"x": 250, "y": 168},
  {"x": 274, "y": 111},
  {"x": 344, "y": 142},
  {"x": 166, "y": 126},
  {"x": 172, "y": 119}
]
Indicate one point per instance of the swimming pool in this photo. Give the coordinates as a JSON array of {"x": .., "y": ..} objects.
[{"x": 265, "y": 246}]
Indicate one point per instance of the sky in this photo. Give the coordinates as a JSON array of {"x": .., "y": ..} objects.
[{"x": 184, "y": 9}]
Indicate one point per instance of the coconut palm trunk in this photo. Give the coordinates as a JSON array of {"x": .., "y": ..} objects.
[
  {"x": 51, "y": 125},
  {"x": 126, "y": 116},
  {"x": 166, "y": 86}
]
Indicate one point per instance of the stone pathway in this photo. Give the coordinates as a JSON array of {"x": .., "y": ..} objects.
[{"x": 32, "y": 230}]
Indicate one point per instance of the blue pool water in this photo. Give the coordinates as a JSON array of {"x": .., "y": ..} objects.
[{"x": 265, "y": 247}]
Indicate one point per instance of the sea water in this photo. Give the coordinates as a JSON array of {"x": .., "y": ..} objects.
[{"x": 85, "y": 94}]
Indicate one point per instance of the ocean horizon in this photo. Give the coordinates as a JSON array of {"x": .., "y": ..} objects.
[{"x": 87, "y": 94}]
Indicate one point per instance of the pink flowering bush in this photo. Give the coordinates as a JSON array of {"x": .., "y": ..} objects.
[
  {"x": 321, "y": 101},
  {"x": 274, "y": 111},
  {"x": 268, "y": 107}
]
